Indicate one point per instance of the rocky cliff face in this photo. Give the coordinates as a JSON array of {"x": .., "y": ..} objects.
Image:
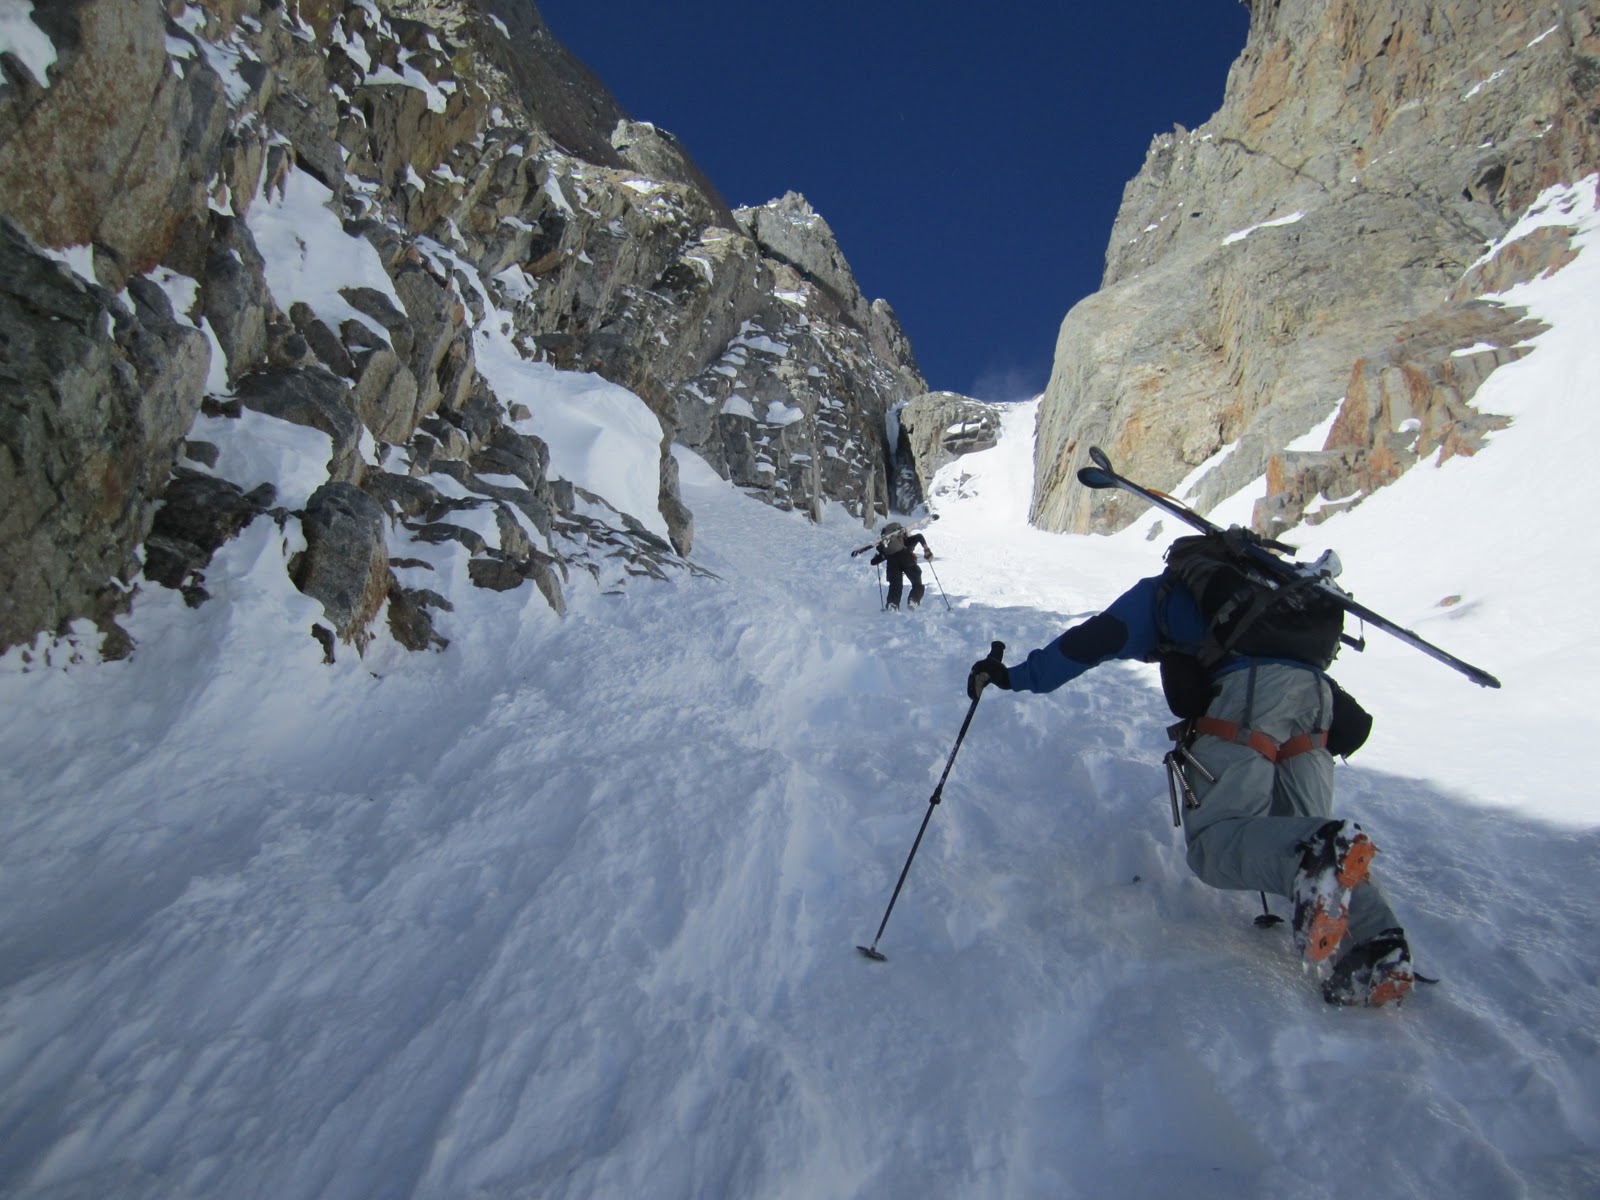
[
  {"x": 1317, "y": 242},
  {"x": 792, "y": 406},
  {"x": 499, "y": 210},
  {"x": 934, "y": 431}
]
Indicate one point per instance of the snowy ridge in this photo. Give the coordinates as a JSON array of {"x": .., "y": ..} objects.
[{"x": 567, "y": 909}]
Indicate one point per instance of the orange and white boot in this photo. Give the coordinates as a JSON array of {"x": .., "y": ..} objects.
[
  {"x": 1374, "y": 972},
  {"x": 1334, "y": 862}
]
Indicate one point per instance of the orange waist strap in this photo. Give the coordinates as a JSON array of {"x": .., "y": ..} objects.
[{"x": 1273, "y": 752}]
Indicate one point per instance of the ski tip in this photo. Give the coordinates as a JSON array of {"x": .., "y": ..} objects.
[
  {"x": 869, "y": 952},
  {"x": 1095, "y": 477},
  {"x": 1099, "y": 458}
]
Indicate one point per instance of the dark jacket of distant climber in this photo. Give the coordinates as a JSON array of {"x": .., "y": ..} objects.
[{"x": 901, "y": 564}]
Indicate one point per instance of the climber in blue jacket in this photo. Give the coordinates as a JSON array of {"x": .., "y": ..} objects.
[{"x": 1256, "y": 765}]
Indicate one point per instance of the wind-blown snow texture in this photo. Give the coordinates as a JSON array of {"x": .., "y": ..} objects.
[{"x": 569, "y": 909}]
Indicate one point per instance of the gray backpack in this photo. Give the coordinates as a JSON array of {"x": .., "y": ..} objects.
[{"x": 892, "y": 538}]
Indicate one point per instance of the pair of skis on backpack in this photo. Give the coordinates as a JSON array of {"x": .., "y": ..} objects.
[
  {"x": 895, "y": 527},
  {"x": 1264, "y": 553}
]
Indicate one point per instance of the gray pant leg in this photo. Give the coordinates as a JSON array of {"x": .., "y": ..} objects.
[
  {"x": 1246, "y": 833},
  {"x": 1234, "y": 840}
]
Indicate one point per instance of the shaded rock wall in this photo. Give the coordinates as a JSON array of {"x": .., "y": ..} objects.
[
  {"x": 505, "y": 205},
  {"x": 938, "y": 428},
  {"x": 95, "y": 395}
]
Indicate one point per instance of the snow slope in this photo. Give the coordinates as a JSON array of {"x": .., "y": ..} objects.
[{"x": 569, "y": 909}]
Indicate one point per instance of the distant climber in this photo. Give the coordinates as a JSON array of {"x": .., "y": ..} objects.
[{"x": 896, "y": 547}]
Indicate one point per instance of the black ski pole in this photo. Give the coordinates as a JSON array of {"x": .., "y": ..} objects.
[
  {"x": 935, "y": 575},
  {"x": 877, "y": 573},
  {"x": 996, "y": 651}
]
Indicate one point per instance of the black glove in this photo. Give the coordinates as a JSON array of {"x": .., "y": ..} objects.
[
  {"x": 987, "y": 670},
  {"x": 875, "y": 559}
]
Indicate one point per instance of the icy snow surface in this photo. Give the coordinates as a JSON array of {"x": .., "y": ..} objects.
[
  {"x": 309, "y": 257},
  {"x": 569, "y": 910}
]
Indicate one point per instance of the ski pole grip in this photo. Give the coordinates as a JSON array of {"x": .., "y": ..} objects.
[{"x": 997, "y": 652}]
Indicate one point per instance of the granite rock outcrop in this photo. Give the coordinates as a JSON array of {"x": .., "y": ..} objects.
[
  {"x": 1317, "y": 243},
  {"x": 376, "y": 221},
  {"x": 934, "y": 431}
]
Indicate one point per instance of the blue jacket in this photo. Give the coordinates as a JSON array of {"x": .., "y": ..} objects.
[{"x": 1131, "y": 628}]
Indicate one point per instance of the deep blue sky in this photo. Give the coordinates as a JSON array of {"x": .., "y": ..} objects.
[{"x": 969, "y": 158}]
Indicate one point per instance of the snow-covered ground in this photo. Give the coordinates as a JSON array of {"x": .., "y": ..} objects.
[{"x": 570, "y": 909}]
